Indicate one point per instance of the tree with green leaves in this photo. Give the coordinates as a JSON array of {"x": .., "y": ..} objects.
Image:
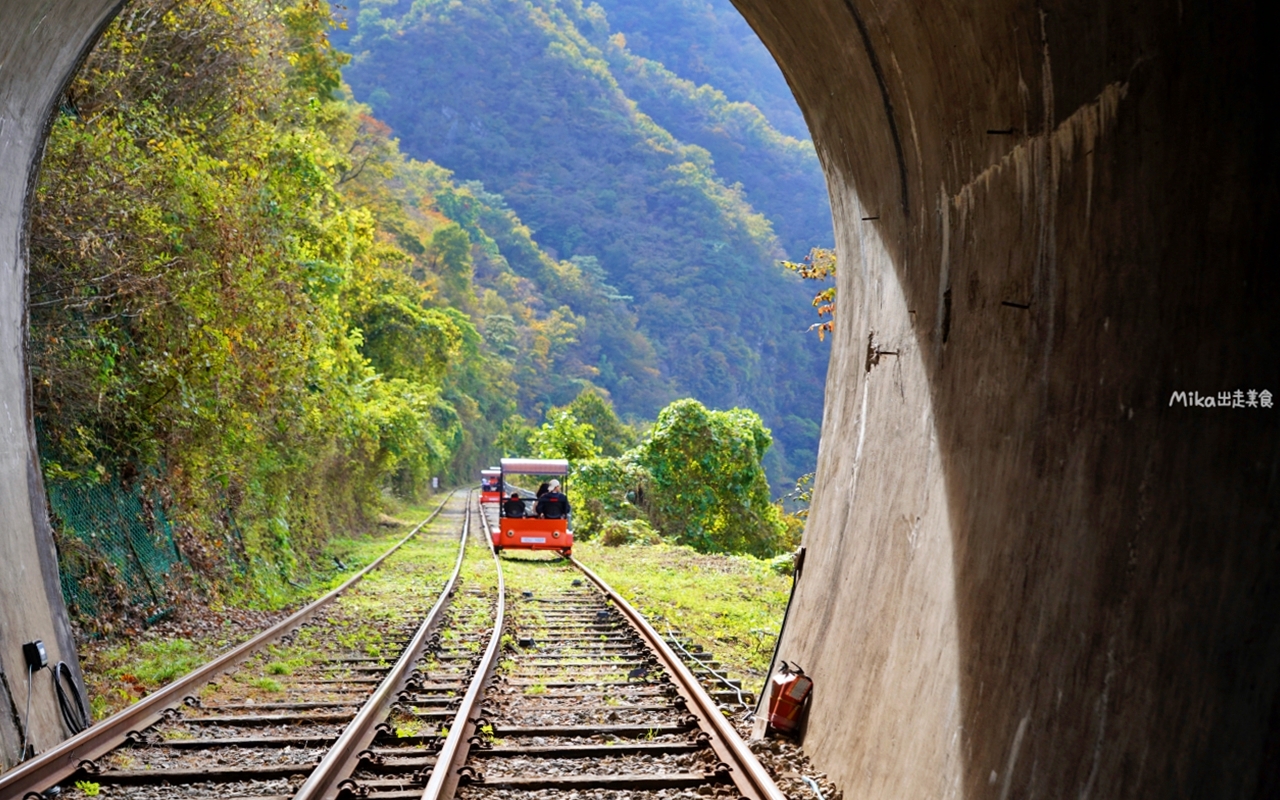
[
  {"x": 563, "y": 436},
  {"x": 707, "y": 484},
  {"x": 605, "y": 490},
  {"x": 449, "y": 256},
  {"x": 611, "y": 435},
  {"x": 514, "y": 439}
]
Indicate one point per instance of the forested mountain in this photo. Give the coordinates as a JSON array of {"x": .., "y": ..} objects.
[
  {"x": 779, "y": 175},
  {"x": 619, "y": 164},
  {"x": 709, "y": 43}
]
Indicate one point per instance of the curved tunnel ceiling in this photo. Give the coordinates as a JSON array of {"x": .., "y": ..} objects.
[{"x": 1030, "y": 571}]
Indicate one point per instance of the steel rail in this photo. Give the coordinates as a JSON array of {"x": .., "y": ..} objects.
[
  {"x": 746, "y": 771},
  {"x": 344, "y": 755},
  {"x": 54, "y": 766},
  {"x": 444, "y": 777}
]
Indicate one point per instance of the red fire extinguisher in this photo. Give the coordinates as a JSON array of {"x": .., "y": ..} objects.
[{"x": 788, "y": 692}]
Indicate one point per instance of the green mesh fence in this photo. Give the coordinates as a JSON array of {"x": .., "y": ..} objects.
[{"x": 115, "y": 548}]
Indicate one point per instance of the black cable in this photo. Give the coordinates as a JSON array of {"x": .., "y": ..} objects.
[
  {"x": 26, "y": 723},
  {"x": 724, "y": 679},
  {"x": 76, "y": 715}
]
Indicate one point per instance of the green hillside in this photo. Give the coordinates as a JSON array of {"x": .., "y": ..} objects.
[
  {"x": 246, "y": 301},
  {"x": 709, "y": 43},
  {"x": 780, "y": 176},
  {"x": 528, "y": 98}
]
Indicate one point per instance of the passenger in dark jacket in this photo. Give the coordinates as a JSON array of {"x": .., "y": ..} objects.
[
  {"x": 513, "y": 506},
  {"x": 553, "y": 504}
]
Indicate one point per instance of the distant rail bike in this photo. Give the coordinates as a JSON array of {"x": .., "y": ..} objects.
[
  {"x": 490, "y": 486},
  {"x": 523, "y": 521}
]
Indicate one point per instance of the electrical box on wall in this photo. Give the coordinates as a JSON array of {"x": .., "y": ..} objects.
[{"x": 35, "y": 654}]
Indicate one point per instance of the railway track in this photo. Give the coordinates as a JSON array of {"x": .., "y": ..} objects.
[
  {"x": 588, "y": 698},
  {"x": 556, "y": 688},
  {"x": 254, "y": 720}
]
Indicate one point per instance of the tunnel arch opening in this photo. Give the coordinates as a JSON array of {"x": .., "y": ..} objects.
[
  {"x": 69, "y": 109},
  {"x": 1109, "y": 552}
]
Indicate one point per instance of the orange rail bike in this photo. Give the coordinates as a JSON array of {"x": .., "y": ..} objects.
[
  {"x": 520, "y": 526},
  {"x": 491, "y": 485}
]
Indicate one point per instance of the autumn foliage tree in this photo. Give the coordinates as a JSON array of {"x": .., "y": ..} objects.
[{"x": 819, "y": 265}]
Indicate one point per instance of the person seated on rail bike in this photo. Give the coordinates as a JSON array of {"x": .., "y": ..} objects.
[
  {"x": 553, "y": 504},
  {"x": 513, "y": 506},
  {"x": 542, "y": 489}
]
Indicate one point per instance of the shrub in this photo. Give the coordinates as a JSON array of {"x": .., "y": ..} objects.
[
  {"x": 632, "y": 531},
  {"x": 604, "y": 489},
  {"x": 708, "y": 488}
]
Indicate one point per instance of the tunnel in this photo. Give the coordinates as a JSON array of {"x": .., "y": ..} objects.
[{"x": 1042, "y": 552}]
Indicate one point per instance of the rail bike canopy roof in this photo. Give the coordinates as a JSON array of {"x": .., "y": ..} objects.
[
  {"x": 535, "y": 466},
  {"x": 491, "y": 472}
]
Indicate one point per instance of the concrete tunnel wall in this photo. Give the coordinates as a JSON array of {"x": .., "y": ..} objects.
[
  {"x": 1027, "y": 574},
  {"x": 41, "y": 42}
]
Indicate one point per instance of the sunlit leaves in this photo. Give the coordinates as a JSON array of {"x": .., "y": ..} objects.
[
  {"x": 563, "y": 436},
  {"x": 204, "y": 299},
  {"x": 316, "y": 65},
  {"x": 609, "y": 434},
  {"x": 708, "y": 484},
  {"x": 819, "y": 265}
]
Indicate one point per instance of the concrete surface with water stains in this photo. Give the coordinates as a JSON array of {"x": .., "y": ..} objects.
[{"x": 1027, "y": 574}]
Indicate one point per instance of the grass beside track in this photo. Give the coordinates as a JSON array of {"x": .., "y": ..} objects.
[
  {"x": 731, "y": 605},
  {"x": 121, "y": 670}
]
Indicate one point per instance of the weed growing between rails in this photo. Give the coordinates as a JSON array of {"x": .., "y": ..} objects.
[
  {"x": 369, "y": 621},
  {"x": 732, "y": 605},
  {"x": 540, "y": 573},
  {"x": 121, "y": 670},
  {"x": 580, "y": 707},
  {"x": 544, "y": 573},
  {"x": 420, "y": 720}
]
